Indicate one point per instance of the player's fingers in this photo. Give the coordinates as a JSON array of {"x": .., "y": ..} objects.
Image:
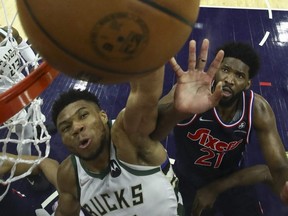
[
  {"x": 196, "y": 210},
  {"x": 192, "y": 55},
  {"x": 215, "y": 65},
  {"x": 284, "y": 194},
  {"x": 202, "y": 60},
  {"x": 176, "y": 67},
  {"x": 217, "y": 94},
  {"x": 195, "y": 207}
]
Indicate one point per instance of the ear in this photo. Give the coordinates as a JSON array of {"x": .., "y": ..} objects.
[
  {"x": 248, "y": 84},
  {"x": 103, "y": 116}
]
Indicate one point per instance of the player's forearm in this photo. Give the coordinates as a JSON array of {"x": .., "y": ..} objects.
[
  {"x": 248, "y": 176},
  {"x": 49, "y": 168},
  {"x": 168, "y": 117},
  {"x": 141, "y": 108},
  {"x": 21, "y": 167}
]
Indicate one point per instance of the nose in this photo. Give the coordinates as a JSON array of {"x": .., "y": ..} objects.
[
  {"x": 77, "y": 127},
  {"x": 229, "y": 78}
]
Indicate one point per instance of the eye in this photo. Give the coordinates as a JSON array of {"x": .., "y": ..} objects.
[
  {"x": 240, "y": 76},
  {"x": 224, "y": 69},
  {"x": 84, "y": 115},
  {"x": 65, "y": 128}
]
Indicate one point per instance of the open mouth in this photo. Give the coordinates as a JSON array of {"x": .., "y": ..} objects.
[
  {"x": 84, "y": 143},
  {"x": 227, "y": 92}
]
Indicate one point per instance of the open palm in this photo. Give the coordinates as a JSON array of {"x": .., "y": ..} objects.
[{"x": 193, "y": 90}]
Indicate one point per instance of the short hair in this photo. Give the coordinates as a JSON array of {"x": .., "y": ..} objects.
[
  {"x": 69, "y": 97},
  {"x": 243, "y": 52}
]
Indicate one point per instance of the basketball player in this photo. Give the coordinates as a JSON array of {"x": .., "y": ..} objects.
[
  {"x": 15, "y": 53},
  {"x": 116, "y": 170},
  {"x": 210, "y": 145},
  {"x": 14, "y": 202}
]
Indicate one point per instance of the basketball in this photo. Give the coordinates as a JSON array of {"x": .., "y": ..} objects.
[{"x": 107, "y": 41}]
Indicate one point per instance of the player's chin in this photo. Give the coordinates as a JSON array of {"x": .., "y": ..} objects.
[
  {"x": 226, "y": 101},
  {"x": 86, "y": 157},
  {"x": 91, "y": 155}
]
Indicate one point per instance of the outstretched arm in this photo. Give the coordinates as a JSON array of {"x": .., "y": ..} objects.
[
  {"x": 206, "y": 196},
  {"x": 192, "y": 92},
  {"x": 132, "y": 127},
  {"x": 141, "y": 108},
  {"x": 48, "y": 166},
  {"x": 271, "y": 145}
]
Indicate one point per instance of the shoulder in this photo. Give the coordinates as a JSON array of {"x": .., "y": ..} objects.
[
  {"x": 66, "y": 166},
  {"x": 263, "y": 114},
  {"x": 261, "y": 105}
]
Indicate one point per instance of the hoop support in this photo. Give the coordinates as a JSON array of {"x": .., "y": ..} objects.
[{"x": 24, "y": 92}]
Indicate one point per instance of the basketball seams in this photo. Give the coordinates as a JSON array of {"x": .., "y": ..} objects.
[
  {"x": 125, "y": 38},
  {"x": 168, "y": 12},
  {"x": 71, "y": 54}
]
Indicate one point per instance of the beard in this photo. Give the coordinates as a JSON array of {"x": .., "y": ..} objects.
[{"x": 229, "y": 102}]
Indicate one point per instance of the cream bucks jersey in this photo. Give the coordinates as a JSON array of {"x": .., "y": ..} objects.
[{"x": 126, "y": 190}]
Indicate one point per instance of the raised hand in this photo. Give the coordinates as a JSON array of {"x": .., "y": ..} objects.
[{"x": 193, "y": 90}]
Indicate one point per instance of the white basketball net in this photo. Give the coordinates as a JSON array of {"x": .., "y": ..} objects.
[{"x": 25, "y": 130}]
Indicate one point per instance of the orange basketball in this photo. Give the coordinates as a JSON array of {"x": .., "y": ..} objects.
[{"x": 107, "y": 41}]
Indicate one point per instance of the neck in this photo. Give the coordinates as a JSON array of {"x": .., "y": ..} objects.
[
  {"x": 227, "y": 113},
  {"x": 100, "y": 163}
]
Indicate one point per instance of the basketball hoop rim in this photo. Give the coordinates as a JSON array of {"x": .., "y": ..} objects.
[{"x": 23, "y": 93}]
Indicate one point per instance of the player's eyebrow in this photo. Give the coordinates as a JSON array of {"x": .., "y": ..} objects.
[{"x": 67, "y": 119}]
